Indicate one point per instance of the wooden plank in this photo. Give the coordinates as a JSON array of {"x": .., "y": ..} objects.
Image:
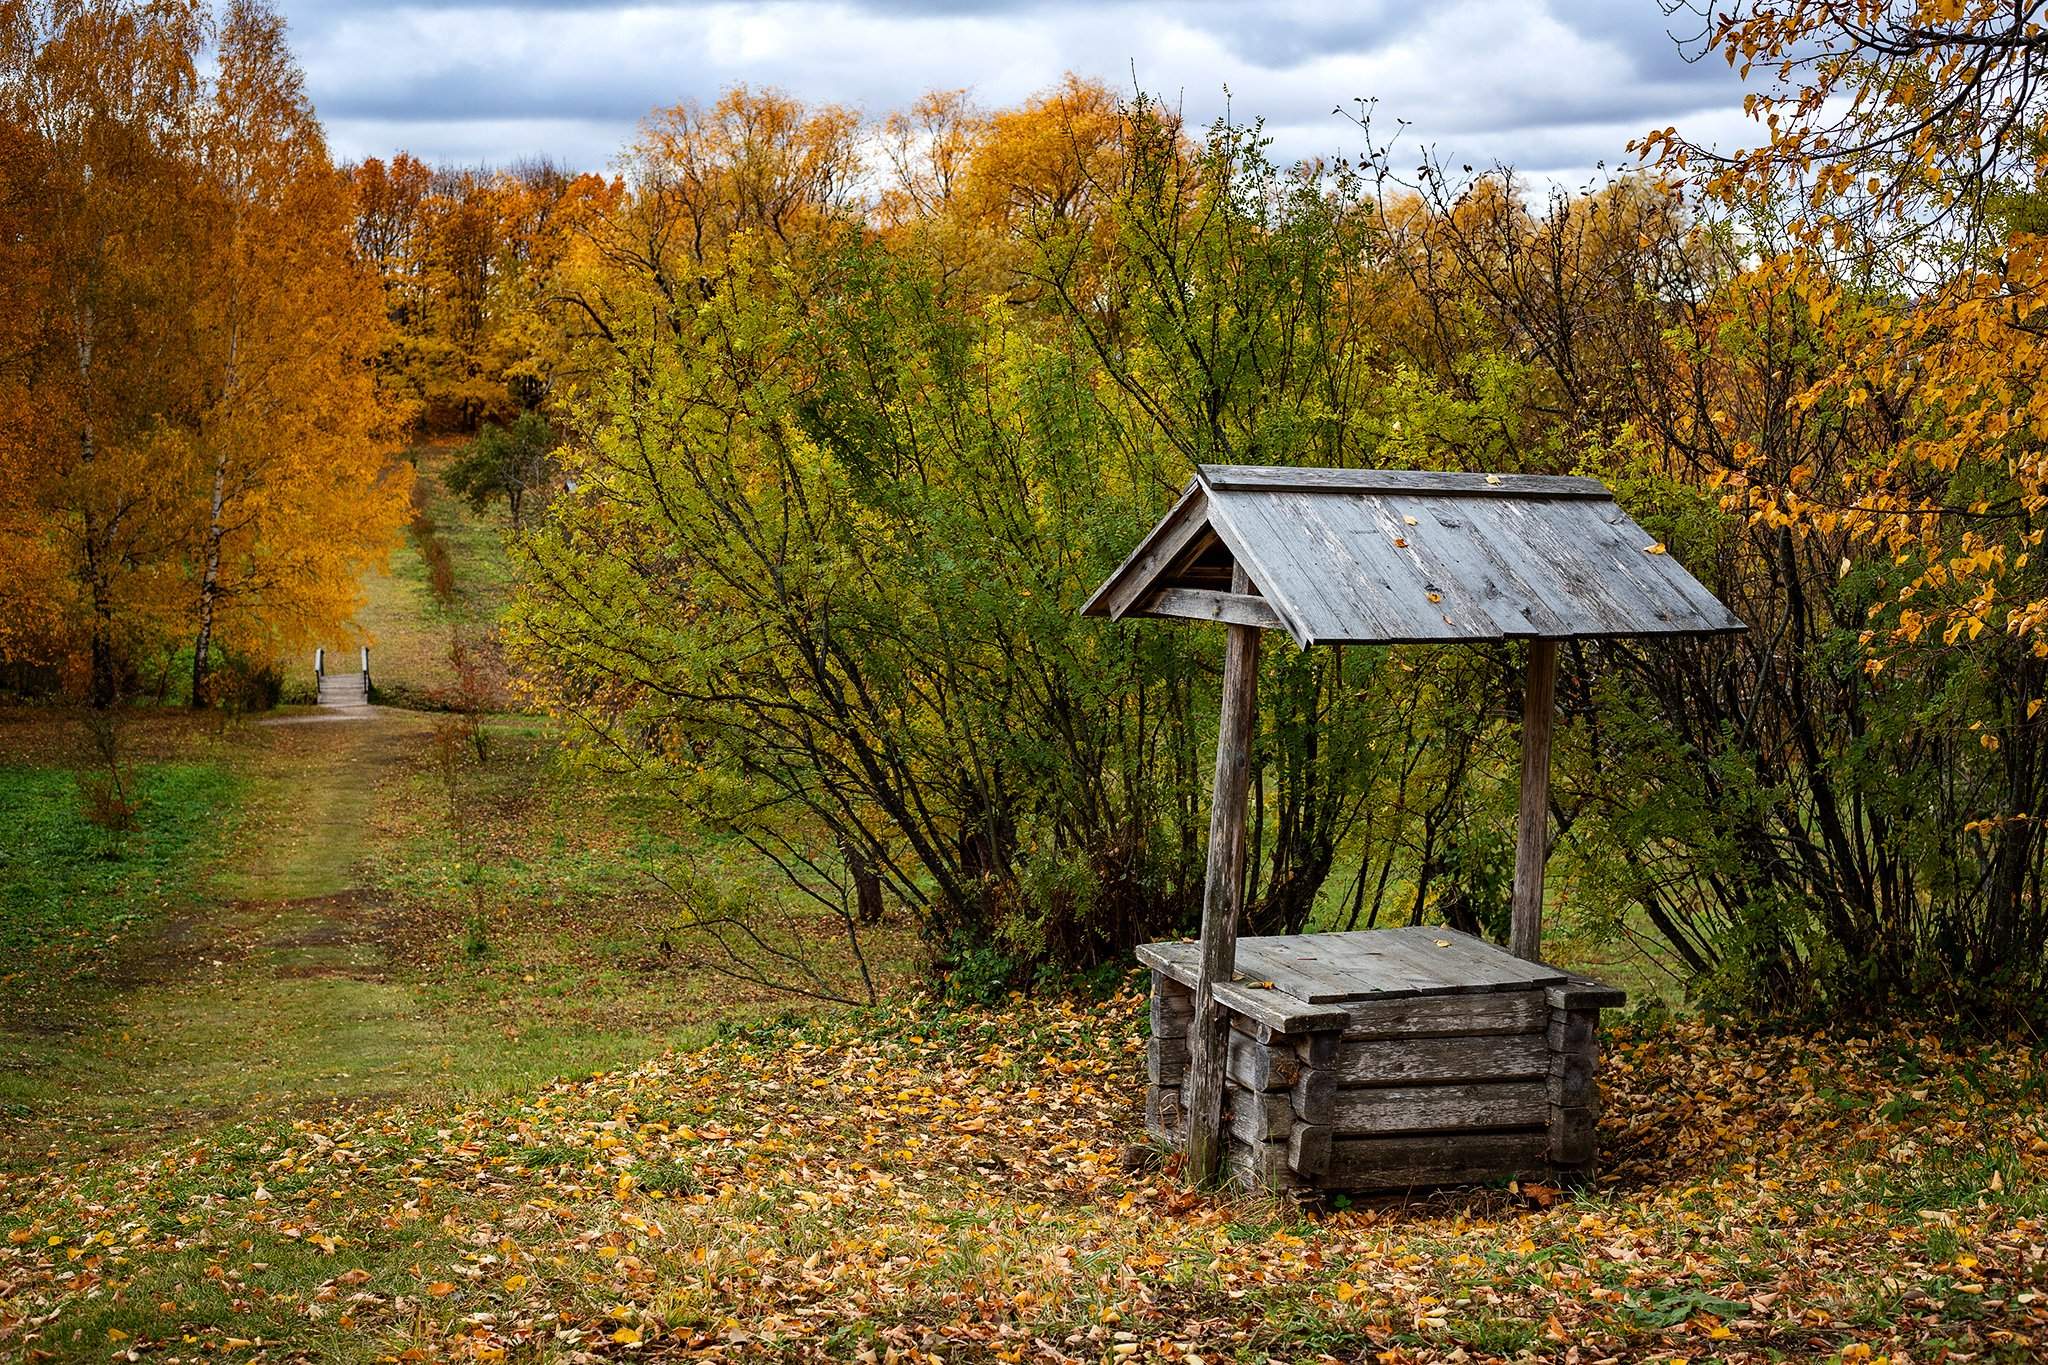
[
  {"x": 1315, "y": 1096},
  {"x": 1449, "y": 1016},
  {"x": 1164, "y": 1118},
  {"x": 1179, "y": 959},
  {"x": 1300, "y": 965},
  {"x": 1582, "y": 993},
  {"x": 1259, "y": 561},
  {"x": 1484, "y": 569},
  {"x": 1260, "y": 1117},
  {"x": 1573, "y": 1134},
  {"x": 1279, "y": 1013},
  {"x": 1261, "y": 1066},
  {"x": 1241, "y": 477},
  {"x": 1183, "y": 524},
  {"x": 1395, "y": 1163},
  {"x": 1173, "y": 1007},
  {"x": 1195, "y": 604},
  {"x": 1166, "y": 1061},
  {"x": 1377, "y": 569},
  {"x": 1259, "y": 1165},
  {"x": 1368, "y": 964},
  {"x": 1318, "y": 1050},
  {"x": 1532, "y": 828},
  {"x": 1495, "y": 546},
  {"x": 1437, "y": 971},
  {"x": 1475, "y": 962},
  {"x": 1282, "y": 966},
  {"x": 1222, "y": 890},
  {"x": 1520, "y": 1056},
  {"x": 1441, "y": 1108},
  {"x": 1571, "y": 1080},
  {"x": 1308, "y": 1149},
  {"x": 1574, "y": 1030}
]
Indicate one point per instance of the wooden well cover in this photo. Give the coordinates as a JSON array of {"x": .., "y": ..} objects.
[{"x": 1363, "y": 964}]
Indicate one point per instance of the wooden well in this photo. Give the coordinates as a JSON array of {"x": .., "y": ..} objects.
[
  {"x": 1392, "y": 1057},
  {"x": 1385, "y": 1059}
]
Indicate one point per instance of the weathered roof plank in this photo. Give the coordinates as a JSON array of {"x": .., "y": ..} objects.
[{"x": 1355, "y": 556}]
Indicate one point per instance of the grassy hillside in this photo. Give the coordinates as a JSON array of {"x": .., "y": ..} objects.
[
  {"x": 406, "y": 621},
  {"x": 920, "y": 1185}
]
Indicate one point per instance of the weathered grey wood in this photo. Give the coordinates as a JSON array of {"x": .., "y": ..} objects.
[
  {"x": 1532, "y": 828},
  {"x": 1262, "y": 1066},
  {"x": 1195, "y": 604},
  {"x": 1259, "y": 1165},
  {"x": 1315, "y": 1096},
  {"x": 1573, "y": 1030},
  {"x": 1318, "y": 1049},
  {"x": 1136, "y": 577},
  {"x": 1307, "y": 1046},
  {"x": 1223, "y": 887},
  {"x": 1524, "y": 1056},
  {"x": 1394, "y": 1163},
  {"x": 1442, "y": 1108},
  {"x": 1308, "y": 1149},
  {"x": 1443, "y": 962},
  {"x": 1498, "y": 1012},
  {"x": 1166, "y": 1061},
  {"x": 1279, "y": 1014},
  {"x": 1478, "y": 965},
  {"x": 1255, "y": 1117},
  {"x": 1573, "y": 1076},
  {"x": 1249, "y": 478},
  {"x": 1572, "y": 1134},
  {"x": 1337, "y": 969},
  {"x": 1164, "y": 1118},
  {"x": 1582, "y": 993},
  {"x": 1172, "y": 1010}
]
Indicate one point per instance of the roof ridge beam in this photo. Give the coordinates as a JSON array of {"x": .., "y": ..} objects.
[{"x": 1247, "y": 478}]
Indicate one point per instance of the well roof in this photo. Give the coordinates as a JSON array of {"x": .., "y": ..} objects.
[{"x": 1381, "y": 556}]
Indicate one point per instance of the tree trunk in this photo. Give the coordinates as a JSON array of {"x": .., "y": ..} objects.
[{"x": 209, "y": 586}]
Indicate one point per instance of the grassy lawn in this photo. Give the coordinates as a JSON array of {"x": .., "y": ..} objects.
[
  {"x": 920, "y": 1184},
  {"x": 407, "y": 624},
  {"x": 362, "y": 1047},
  {"x": 70, "y": 893}
]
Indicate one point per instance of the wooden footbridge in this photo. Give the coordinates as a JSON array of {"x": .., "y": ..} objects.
[{"x": 341, "y": 689}]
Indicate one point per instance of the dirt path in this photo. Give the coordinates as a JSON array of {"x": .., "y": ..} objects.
[{"x": 282, "y": 987}]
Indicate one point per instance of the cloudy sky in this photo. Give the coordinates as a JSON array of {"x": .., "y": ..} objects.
[{"x": 1553, "y": 87}]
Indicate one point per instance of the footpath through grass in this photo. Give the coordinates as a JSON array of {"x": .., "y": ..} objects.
[{"x": 917, "y": 1185}]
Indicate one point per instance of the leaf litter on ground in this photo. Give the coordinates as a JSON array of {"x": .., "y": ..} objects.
[{"x": 923, "y": 1184}]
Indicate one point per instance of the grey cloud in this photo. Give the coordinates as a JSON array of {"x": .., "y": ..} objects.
[{"x": 1553, "y": 86}]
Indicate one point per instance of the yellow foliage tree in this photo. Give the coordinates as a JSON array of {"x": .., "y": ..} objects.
[{"x": 290, "y": 438}]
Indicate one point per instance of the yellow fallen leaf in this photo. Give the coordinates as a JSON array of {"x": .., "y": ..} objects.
[
  {"x": 627, "y": 1336},
  {"x": 1656, "y": 549},
  {"x": 515, "y": 1282}
]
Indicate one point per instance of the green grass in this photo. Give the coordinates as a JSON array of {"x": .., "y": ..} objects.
[
  {"x": 68, "y": 890},
  {"x": 407, "y": 626}
]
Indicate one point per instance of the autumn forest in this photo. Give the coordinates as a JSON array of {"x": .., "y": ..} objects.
[{"x": 708, "y": 927}]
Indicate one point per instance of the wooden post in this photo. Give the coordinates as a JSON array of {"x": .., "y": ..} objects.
[
  {"x": 1525, "y": 939},
  {"x": 1221, "y": 893}
]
